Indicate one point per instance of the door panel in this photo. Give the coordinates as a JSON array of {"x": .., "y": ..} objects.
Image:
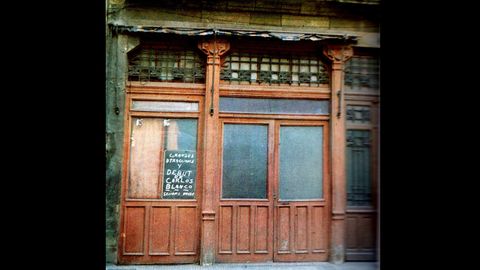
[
  {"x": 318, "y": 235},
  {"x": 135, "y": 231},
  {"x": 186, "y": 231},
  {"x": 361, "y": 232},
  {"x": 262, "y": 231},
  {"x": 160, "y": 231}
]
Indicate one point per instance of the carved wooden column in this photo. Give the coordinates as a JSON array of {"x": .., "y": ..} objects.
[
  {"x": 213, "y": 49},
  {"x": 338, "y": 54}
]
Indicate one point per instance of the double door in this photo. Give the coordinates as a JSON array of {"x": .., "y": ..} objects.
[{"x": 273, "y": 190}]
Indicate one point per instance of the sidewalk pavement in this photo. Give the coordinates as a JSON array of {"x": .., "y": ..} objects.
[{"x": 254, "y": 266}]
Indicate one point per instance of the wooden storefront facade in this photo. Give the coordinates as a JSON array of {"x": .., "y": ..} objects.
[{"x": 248, "y": 149}]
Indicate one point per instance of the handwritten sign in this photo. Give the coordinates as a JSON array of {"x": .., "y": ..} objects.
[{"x": 179, "y": 174}]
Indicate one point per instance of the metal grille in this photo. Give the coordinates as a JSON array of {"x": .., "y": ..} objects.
[
  {"x": 249, "y": 68},
  {"x": 358, "y": 114},
  {"x": 166, "y": 65},
  {"x": 362, "y": 73},
  {"x": 359, "y": 189}
]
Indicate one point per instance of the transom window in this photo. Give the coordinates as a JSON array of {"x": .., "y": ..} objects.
[
  {"x": 151, "y": 63},
  {"x": 362, "y": 73},
  {"x": 287, "y": 69}
]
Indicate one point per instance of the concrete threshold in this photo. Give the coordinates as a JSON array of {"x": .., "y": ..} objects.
[{"x": 255, "y": 266}]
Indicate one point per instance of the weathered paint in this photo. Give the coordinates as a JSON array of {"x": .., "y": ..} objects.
[{"x": 115, "y": 99}]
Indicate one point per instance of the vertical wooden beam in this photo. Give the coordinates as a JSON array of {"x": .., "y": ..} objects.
[
  {"x": 338, "y": 54},
  {"x": 213, "y": 49}
]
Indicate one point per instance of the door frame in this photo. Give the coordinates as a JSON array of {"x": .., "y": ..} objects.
[
  {"x": 274, "y": 123},
  {"x": 147, "y": 257},
  {"x": 325, "y": 201},
  {"x": 258, "y": 256}
]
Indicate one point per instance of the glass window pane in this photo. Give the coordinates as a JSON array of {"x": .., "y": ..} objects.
[
  {"x": 180, "y": 159},
  {"x": 164, "y": 106},
  {"x": 150, "y": 137},
  {"x": 244, "y": 161},
  {"x": 358, "y": 114},
  {"x": 273, "y": 106},
  {"x": 359, "y": 178},
  {"x": 301, "y": 162}
]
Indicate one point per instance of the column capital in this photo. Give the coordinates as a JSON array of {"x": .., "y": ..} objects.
[
  {"x": 338, "y": 52},
  {"x": 214, "y": 47}
]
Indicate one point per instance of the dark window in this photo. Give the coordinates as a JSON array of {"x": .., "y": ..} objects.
[
  {"x": 362, "y": 73},
  {"x": 359, "y": 190}
]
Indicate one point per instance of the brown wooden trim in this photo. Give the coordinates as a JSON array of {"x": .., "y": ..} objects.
[
  {"x": 359, "y": 126},
  {"x": 338, "y": 54},
  {"x": 163, "y": 97},
  {"x": 355, "y": 101},
  {"x": 364, "y": 95},
  {"x": 183, "y": 92},
  {"x": 242, "y": 120},
  {"x": 163, "y": 87},
  {"x": 304, "y": 122},
  {"x": 178, "y": 115},
  {"x": 276, "y": 116},
  {"x": 273, "y": 94},
  {"x": 360, "y": 210},
  {"x": 158, "y": 96},
  {"x": 130, "y": 200},
  {"x": 124, "y": 178},
  {"x": 274, "y": 88},
  {"x": 214, "y": 49},
  {"x": 242, "y": 200},
  {"x": 161, "y": 203}
]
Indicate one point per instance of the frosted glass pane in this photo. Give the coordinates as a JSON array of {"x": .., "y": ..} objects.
[
  {"x": 164, "y": 106},
  {"x": 244, "y": 161},
  {"x": 301, "y": 162},
  {"x": 273, "y": 106}
]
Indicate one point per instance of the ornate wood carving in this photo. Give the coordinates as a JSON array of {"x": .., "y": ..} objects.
[
  {"x": 338, "y": 53},
  {"x": 216, "y": 47}
]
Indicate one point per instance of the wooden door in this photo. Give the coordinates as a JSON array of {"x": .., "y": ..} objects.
[
  {"x": 160, "y": 218},
  {"x": 245, "y": 209},
  {"x": 302, "y": 191},
  {"x": 265, "y": 213}
]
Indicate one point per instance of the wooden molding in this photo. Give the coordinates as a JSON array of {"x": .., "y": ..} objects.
[
  {"x": 214, "y": 47},
  {"x": 338, "y": 53}
]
